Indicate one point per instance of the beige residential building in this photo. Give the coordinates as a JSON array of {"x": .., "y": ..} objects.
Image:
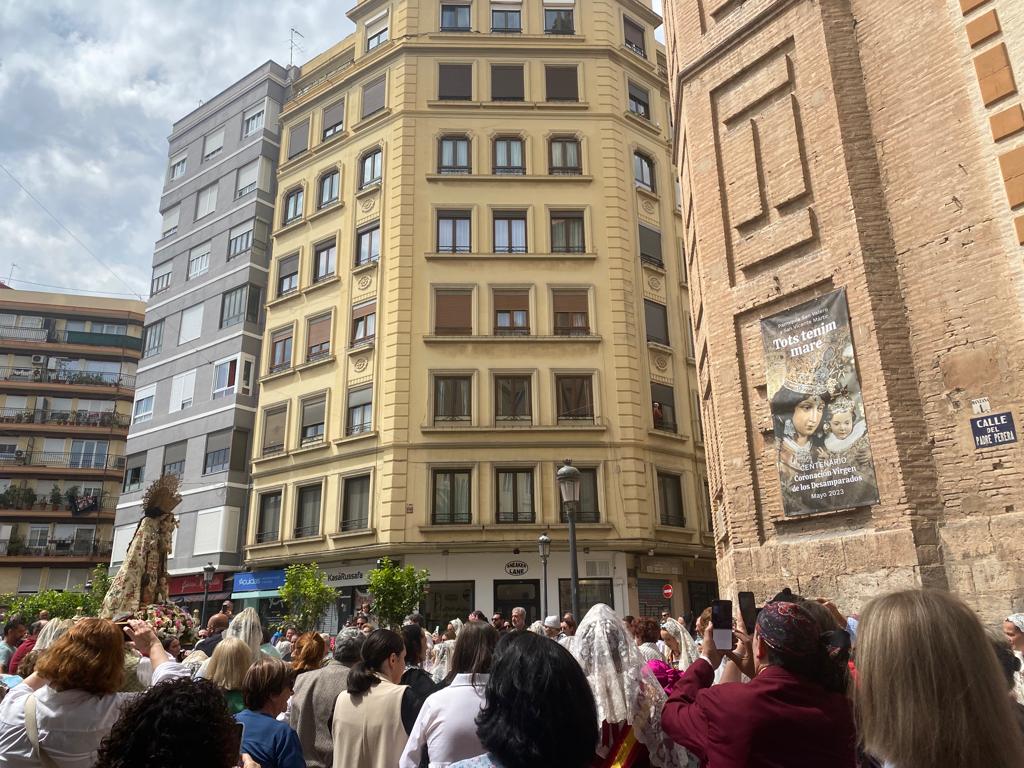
[
  {"x": 67, "y": 379},
  {"x": 477, "y": 275}
]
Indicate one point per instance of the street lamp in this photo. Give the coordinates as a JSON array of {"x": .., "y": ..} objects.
[
  {"x": 569, "y": 485},
  {"x": 544, "y": 547},
  {"x": 208, "y": 570}
]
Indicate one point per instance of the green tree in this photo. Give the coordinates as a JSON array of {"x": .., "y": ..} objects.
[
  {"x": 62, "y": 605},
  {"x": 306, "y": 594},
  {"x": 395, "y": 591}
]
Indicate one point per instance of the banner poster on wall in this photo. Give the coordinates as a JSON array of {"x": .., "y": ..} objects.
[{"x": 821, "y": 437}]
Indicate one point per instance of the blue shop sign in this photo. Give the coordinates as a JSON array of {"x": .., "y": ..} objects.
[
  {"x": 993, "y": 429},
  {"x": 258, "y": 580}
]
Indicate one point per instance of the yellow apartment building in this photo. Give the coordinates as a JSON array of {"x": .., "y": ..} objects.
[
  {"x": 67, "y": 381},
  {"x": 477, "y": 271}
]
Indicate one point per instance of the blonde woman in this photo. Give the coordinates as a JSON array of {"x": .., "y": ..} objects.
[
  {"x": 935, "y": 702},
  {"x": 227, "y": 667}
]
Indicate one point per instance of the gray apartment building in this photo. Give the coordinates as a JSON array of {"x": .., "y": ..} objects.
[{"x": 195, "y": 396}]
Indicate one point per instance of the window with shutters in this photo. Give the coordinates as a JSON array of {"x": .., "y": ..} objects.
[
  {"x": 513, "y": 495},
  {"x": 453, "y": 155},
  {"x": 368, "y": 244},
  {"x": 178, "y": 166},
  {"x": 183, "y": 387},
  {"x": 670, "y": 499},
  {"x": 246, "y": 179},
  {"x": 697, "y": 415},
  {"x": 587, "y": 509},
  {"x": 324, "y": 261},
  {"x": 191, "y": 324},
  {"x": 364, "y": 323},
  {"x": 307, "y": 512},
  {"x": 567, "y": 232},
  {"x": 565, "y": 157},
  {"x": 145, "y": 397},
  {"x": 575, "y": 396},
  {"x": 225, "y": 377},
  {"x": 237, "y": 305},
  {"x": 639, "y": 101},
  {"x": 134, "y": 473},
  {"x": 453, "y": 231},
  {"x": 161, "y": 278},
  {"x": 650, "y": 246},
  {"x": 328, "y": 187},
  {"x": 643, "y": 171},
  {"x": 274, "y": 421},
  {"x": 268, "y": 523},
  {"x": 506, "y": 18},
  {"x": 288, "y": 275},
  {"x": 376, "y": 31},
  {"x": 371, "y": 164},
  {"x": 281, "y": 350},
  {"x": 355, "y": 508},
  {"x": 656, "y": 317},
  {"x": 359, "y": 411},
  {"x": 213, "y": 144},
  {"x": 663, "y": 407},
  {"x": 506, "y": 82},
  {"x": 170, "y": 221},
  {"x": 572, "y": 310},
  {"x": 240, "y": 240},
  {"x": 453, "y": 312},
  {"x": 198, "y": 261},
  {"x": 634, "y": 37},
  {"x": 512, "y": 401},
  {"x": 298, "y": 139},
  {"x": 174, "y": 459},
  {"x": 455, "y": 82},
  {"x": 559, "y": 21},
  {"x": 511, "y": 313},
  {"x": 313, "y": 416},
  {"x": 152, "y": 338},
  {"x": 374, "y": 94},
  {"x": 510, "y": 231},
  {"x": 452, "y": 497},
  {"x": 455, "y": 17},
  {"x": 206, "y": 201},
  {"x": 252, "y": 120},
  {"x": 318, "y": 338},
  {"x": 218, "y": 452},
  {"x": 688, "y": 333},
  {"x": 292, "y": 206},
  {"x": 561, "y": 83},
  {"x": 452, "y": 402},
  {"x": 333, "y": 120},
  {"x": 509, "y": 156}
]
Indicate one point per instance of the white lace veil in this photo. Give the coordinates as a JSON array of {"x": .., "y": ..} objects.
[
  {"x": 537, "y": 627},
  {"x": 443, "y": 654},
  {"x": 456, "y": 625},
  {"x": 1017, "y": 619},
  {"x": 247, "y": 627},
  {"x": 624, "y": 689},
  {"x": 688, "y": 651}
]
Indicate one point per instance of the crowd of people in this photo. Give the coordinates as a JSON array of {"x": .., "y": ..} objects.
[{"x": 913, "y": 681}]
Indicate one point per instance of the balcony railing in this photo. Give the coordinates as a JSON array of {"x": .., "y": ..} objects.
[
  {"x": 57, "y": 548},
  {"x": 64, "y": 418},
  {"x": 654, "y": 261},
  {"x": 61, "y": 459},
  {"x": 50, "y": 336},
  {"x": 305, "y": 531},
  {"x": 265, "y": 536},
  {"x": 71, "y": 378}
]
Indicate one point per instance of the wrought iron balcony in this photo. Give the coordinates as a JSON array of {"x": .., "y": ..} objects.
[
  {"x": 64, "y": 418},
  {"x": 61, "y": 459},
  {"x": 50, "y": 336},
  {"x": 70, "y": 378},
  {"x": 57, "y": 548}
]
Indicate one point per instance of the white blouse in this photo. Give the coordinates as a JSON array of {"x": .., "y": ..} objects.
[
  {"x": 71, "y": 723},
  {"x": 446, "y": 725}
]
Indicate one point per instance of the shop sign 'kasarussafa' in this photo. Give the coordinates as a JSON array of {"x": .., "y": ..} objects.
[{"x": 821, "y": 436}]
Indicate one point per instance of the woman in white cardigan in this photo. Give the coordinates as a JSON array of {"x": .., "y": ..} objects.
[
  {"x": 57, "y": 717},
  {"x": 446, "y": 726}
]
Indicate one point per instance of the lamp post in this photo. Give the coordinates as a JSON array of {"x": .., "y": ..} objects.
[
  {"x": 569, "y": 485},
  {"x": 544, "y": 547},
  {"x": 208, "y": 570}
]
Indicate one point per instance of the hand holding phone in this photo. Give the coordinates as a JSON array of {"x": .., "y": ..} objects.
[
  {"x": 721, "y": 624},
  {"x": 748, "y": 611}
]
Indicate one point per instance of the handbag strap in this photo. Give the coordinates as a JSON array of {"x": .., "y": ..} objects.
[{"x": 32, "y": 729}]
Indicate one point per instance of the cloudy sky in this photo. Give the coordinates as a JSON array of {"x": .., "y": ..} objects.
[{"x": 89, "y": 91}]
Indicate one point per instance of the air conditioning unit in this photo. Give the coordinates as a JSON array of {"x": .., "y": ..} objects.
[{"x": 39, "y": 359}]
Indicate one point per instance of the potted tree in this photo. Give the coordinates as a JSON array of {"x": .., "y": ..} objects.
[
  {"x": 70, "y": 496},
  {"x": 16, "y": 497},
  {"x": 6, "y": 502},
  {"x": 55, "y": 497},
  {"x": 28, "y": 497}
]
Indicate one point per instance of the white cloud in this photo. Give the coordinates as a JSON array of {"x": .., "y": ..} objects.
[{"x": 90, "y": 91}]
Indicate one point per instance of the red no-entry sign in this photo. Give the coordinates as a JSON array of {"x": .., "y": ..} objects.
[{"x": 666, "y": 591}]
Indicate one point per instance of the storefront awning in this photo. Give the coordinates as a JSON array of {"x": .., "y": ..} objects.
[{"x": 260, "y": 593}]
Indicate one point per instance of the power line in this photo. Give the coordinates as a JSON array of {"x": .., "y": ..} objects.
[
  {"x": 65, "y": 228},
  {"x": 66, "y": 288}
]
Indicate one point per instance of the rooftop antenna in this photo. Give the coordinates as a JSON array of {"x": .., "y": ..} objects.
[
  {"x": 293, "y": 45},
  {"x": 11, "y": 275}
]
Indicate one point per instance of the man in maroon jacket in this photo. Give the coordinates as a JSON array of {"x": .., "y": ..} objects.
[{"x": 791, "y": 715}]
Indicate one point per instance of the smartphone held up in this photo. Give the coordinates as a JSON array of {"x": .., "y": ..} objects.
[{"x": 721, "y": 624}]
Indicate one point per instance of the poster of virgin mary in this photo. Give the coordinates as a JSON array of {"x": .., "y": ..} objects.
[{"x": 823, "y": 453}]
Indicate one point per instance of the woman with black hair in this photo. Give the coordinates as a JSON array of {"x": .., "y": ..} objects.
[
  {"x": 419, "y": 680},
  {"x": 538, "y": 708},
  {"x": 373, "y": 717},
  {"x": 178, "y": 723}
]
